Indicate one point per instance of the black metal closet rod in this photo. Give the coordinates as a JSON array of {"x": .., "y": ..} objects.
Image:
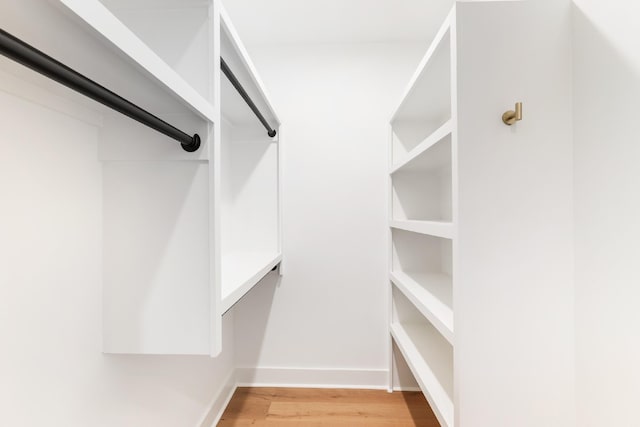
[
  {"x": 40, "y": 62},
  {"x": 243, "y": 93}
]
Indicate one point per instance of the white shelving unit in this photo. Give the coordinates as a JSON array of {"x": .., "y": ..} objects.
[
  {"x": 422, "y": 223},
  {"x": 478, "y": 256},
  {"x": 186, "y": 235}
]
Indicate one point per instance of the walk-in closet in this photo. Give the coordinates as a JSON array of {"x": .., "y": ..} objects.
[{"x": 300, "y": 213}]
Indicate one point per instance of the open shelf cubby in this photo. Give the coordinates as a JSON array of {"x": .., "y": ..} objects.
[
  {"x": 249, "y": 216},
  {"x": 171, "y": 58},
  {"x": 428, "y": 354},
  {"x": 421, "y": 270},
  {"x": 426, "y": 104},
  {"x": 422, "y": 188}
]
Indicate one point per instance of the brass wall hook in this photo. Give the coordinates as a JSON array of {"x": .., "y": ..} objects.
[{"x": 510, "y": 117}]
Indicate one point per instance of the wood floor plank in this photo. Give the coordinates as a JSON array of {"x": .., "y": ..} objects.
[
  {"x": 268, "y": 406},
  {"x": 319, "y": 394},
  {"x": 317, "y": 411}
]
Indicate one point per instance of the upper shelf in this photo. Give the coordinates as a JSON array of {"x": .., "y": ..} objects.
[
  {"x": 100, "y": 19},
  {"x": 426, "y": 94},
  {"x": 233, "y": 107}
]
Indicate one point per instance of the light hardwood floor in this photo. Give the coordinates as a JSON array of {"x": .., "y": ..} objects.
[{"x": 327, "y": 408}]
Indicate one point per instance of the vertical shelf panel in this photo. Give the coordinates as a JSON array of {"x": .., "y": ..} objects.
[{"x": 156, "y": 264}]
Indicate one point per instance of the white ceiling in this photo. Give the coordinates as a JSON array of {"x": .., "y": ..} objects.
[{"x": 336, "y": 21}]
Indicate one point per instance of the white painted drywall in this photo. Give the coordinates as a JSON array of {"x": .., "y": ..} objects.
[
  {"x": 607, "y": 211},
  {"x": 52, "y": 370},
  {"x": 325, "y": 322},
  {"x": 513, "y": 280},
  {"x": 337, "y": 21}
]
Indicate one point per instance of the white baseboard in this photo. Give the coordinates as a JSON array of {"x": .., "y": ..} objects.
[
  {"x": 219, "y": 402},
  {"x": 313, "y": 378}
]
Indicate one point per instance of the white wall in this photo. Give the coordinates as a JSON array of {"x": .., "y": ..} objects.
[
  {"x": 52, "y": 370},
  {"x": 607, "y": 211},
  {"x": 327, "y": 322}
]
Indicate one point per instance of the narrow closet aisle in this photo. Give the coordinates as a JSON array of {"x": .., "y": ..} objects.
[
  {"x": 272, "y": 406},
  {"x": 336, "y": 213}
]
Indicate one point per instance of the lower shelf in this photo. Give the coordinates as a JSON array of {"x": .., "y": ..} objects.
[
  {"x": 430, "y": 358},
  {"x": 241, "y": 271},
  {"x": 432, "y": 296}
]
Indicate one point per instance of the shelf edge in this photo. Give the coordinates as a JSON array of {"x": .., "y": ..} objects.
[
  {"x": 236, "y": 295},
  {"x": 429, "y": 228}
]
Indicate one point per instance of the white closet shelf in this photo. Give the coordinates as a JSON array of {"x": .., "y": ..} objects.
[
  {"x": 441, "y": 39},
  {"x": 430, "y": 361},
  {"x": 100, "y": 19},
  {"x": 424, "y": 147},
  {"x": 442, "y": 229},
  {"x": 241, "y": 271},
  {"x": 432, "y": 294}
]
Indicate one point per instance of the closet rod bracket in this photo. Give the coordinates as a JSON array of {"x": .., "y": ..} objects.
[{"x": 193, "y": 145}]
